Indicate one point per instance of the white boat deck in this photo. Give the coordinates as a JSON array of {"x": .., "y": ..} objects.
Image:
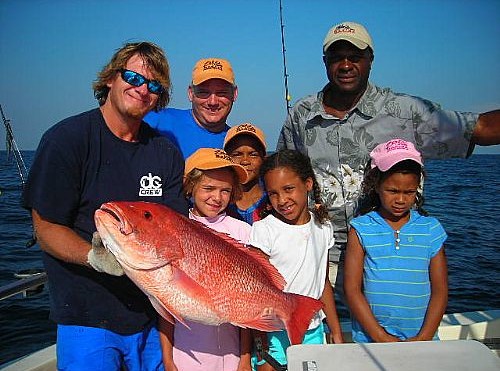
[
  {"x": 42, "y": 360},
  {"x": 480, "y": 325}
]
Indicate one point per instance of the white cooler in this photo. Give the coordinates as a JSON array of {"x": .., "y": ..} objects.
[{"x": 452, "y": 355}]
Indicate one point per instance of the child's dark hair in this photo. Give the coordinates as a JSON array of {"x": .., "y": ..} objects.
[
  {"x": 373, "y": 177},
  {"x": 301, "y": 165}
]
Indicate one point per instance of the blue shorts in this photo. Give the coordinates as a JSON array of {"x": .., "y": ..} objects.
[
  {"x": 278, "y": 343},
  {"x": 91, "y": 348}
]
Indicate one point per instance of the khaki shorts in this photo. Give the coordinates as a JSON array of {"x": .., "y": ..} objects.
[
  {"x": 333, "y": 269},
  {"x": 336, "y": 276}
]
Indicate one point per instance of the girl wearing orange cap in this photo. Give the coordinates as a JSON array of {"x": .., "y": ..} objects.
[{"x": 211, "y": 181}]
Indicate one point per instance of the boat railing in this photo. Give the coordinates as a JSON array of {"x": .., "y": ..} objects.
[{"x": 28, "y": 283}]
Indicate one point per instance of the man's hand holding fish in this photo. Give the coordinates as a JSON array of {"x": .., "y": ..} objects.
[{"x": 101, "y": 259}]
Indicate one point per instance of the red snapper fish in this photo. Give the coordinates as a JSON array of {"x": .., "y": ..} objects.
[{"x": 190, "y": 272}]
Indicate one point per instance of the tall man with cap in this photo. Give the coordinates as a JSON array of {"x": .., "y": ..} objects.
[
  {"x": 339, "y": 126},
  {"x": 212, "y": 93}
]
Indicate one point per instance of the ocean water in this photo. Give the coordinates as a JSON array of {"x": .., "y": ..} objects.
[{"x": 462, "y": 194}]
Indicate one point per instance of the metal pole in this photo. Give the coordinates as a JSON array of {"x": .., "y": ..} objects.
[{"x": 283, "y": 50}]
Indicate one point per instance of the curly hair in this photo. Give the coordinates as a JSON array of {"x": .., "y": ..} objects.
[
  {"x": 192, "y": 178},
  {"x": 155, "y": 59},
  {"x": 301, "y": 165},
  {"x": 374, "y": 177}
]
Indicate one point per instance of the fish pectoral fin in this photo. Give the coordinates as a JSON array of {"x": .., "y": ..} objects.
[
  {"x": 187, "y": 284},
  {"x": 200, "y": 295},
  {"x": 268, "y": 320},
  {"x": 160, "y": 308},
  {"x": 169, "y": 315}
]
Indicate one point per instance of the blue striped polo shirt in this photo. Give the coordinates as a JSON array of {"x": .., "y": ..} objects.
[{"x": 396, "y": 274}]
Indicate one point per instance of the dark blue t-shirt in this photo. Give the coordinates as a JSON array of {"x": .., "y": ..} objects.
[{"x": 80, "y": 164}]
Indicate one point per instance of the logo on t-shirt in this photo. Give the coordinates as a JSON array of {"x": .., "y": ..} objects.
[{"x": 150, "y": 185}]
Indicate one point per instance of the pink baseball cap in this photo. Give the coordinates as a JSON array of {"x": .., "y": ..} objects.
[{"x": 386, "y": 155}]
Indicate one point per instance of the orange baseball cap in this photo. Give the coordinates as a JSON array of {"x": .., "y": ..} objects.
[
  {"x": 212, "y": 68},
  {"x": 248, "y": 129},
  {"x": 213, "y": 158}
]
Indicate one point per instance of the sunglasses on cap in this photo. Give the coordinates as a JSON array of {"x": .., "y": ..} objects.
[{"x": 136, "y": 79}]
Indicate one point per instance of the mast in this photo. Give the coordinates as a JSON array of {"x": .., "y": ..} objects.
[{"x": 12, "y": 148}]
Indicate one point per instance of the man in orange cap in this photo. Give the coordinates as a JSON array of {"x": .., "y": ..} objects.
[{"x": 212, "y": 93}]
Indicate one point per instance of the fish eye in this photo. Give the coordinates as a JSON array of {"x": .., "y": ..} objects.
[{"x": 148, "y": 215}]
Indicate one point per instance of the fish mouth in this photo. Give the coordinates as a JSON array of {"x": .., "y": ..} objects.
[{"x": 118, "y": 217}]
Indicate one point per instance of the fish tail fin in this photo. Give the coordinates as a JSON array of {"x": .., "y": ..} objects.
[{"x": 305, "y": 309}]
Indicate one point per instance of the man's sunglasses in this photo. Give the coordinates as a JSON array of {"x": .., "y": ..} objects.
[{"x": 136, "y": 79}]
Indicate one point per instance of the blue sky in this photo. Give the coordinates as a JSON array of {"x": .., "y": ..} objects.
[{"x": 443, "y": 50}]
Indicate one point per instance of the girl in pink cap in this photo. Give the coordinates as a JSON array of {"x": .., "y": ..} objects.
[{"x": 395, "y": 267}]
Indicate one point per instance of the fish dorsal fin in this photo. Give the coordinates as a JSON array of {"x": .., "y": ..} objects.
[
  {"x": 223, "y": 235},
  {"x": 257, "y": 254},
  {"x": 263, "y": 260}
]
